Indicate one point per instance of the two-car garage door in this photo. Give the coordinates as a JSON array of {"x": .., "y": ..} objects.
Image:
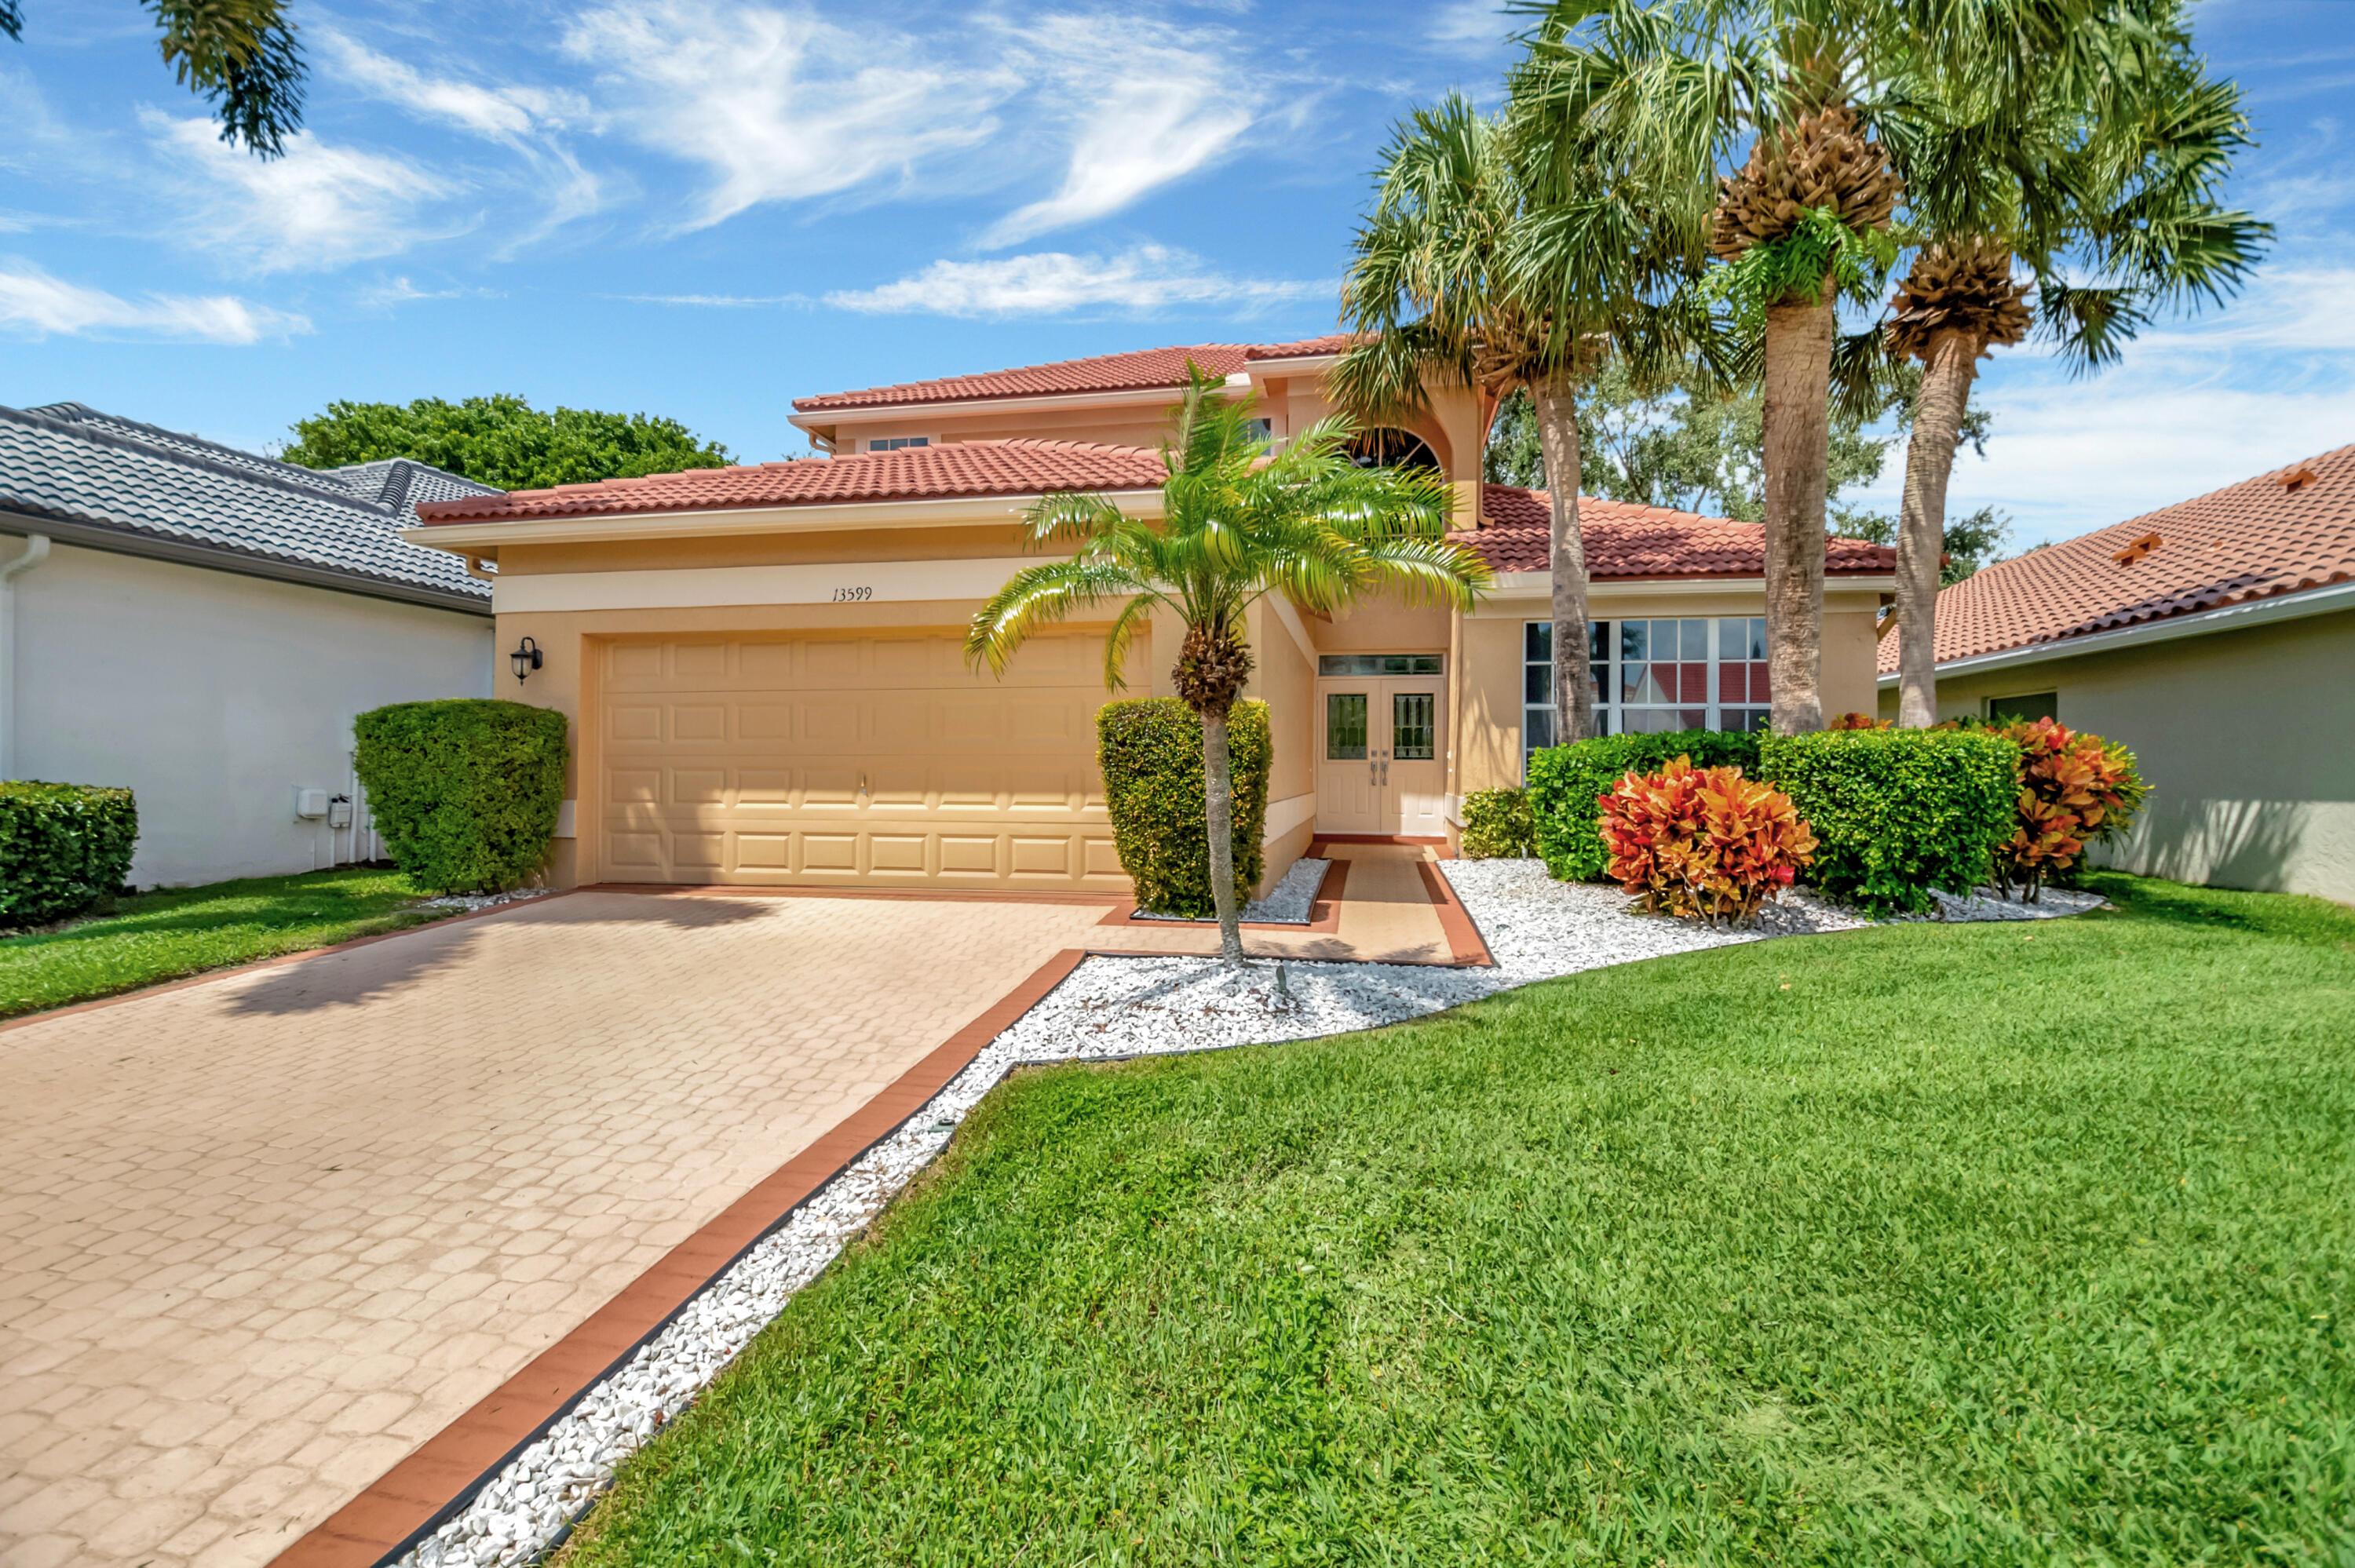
[{"x": 871, "y": 759}]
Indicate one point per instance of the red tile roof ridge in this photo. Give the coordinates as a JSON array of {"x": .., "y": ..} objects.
[
  {"x": 1303, "y": 348},
  {"x": 1137, "y": 369},
  {"x": 1008, "y": 466},
  {"x": 2256, "y": 539}
]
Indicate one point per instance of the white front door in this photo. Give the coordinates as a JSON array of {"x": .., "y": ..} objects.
[{"x": 1380, "y": 767}]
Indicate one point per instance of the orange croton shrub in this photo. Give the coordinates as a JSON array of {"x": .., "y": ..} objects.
[
  {"x": 2074, "y": 789},
  {"x": 1704, "y": 843},
  {"x": 1858, "y": 721}
]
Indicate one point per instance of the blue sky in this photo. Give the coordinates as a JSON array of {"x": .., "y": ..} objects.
[{"x": 705, "y": 207}]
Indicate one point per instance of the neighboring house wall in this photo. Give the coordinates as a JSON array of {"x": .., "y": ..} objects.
[
  {"x": 214, "y": 696},
  {"x": 2244, "y": 736}
]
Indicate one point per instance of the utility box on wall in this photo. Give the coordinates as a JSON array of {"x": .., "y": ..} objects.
[{"x": 310, "y": 805}]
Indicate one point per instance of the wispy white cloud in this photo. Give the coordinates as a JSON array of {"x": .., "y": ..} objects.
[
  {"x": 1151, "y": 104},
  {"x": 1471, "y": 26},
  {"x": 1149, "y": 278},
  {"x": 392, "y": 292},
  {"x": 779, "y": 104},
  {"x": 508, "y": 112},
  {"x": 725, "y": 302},
  {"x": 319, "y": 205},
  {"x": 528, "y": 122},
  {"x": 34, "y": 302}
]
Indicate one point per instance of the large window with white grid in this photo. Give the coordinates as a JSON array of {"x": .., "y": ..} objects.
[{"x": 1653, "y": 675}]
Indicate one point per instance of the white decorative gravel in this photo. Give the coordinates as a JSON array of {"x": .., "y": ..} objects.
[
  {"x": 484, "y": 900},
  {"x": 1288, "y": 902},
  {"x": 1535, "y": 928}
]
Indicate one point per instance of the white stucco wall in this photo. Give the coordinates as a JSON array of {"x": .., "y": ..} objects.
[
  {"x": 216, "y": 695},
  {"x": 2247, "y": 737}
]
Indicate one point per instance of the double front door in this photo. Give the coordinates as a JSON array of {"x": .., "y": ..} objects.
[{"x": 1380, "y": 766}]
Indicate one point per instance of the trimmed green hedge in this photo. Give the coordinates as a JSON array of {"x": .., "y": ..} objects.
[
  {"x": 1567, "y": 784},
  {"x": 1151, "y": 753},
  {"x": 1498, "y": 825},
  {"x": 63, "y": 847},
  {"x": 1897, "y": 812},
  {"x": 465, "y": 791}
]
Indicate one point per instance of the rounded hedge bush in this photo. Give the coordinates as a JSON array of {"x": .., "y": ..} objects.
[
  {"x": 465, "y": 790},
  {"x": 1897, "y": 813},
  {"x": 63, "y": 848},
  {"x": 1498, "y": 825},
  {"x": 1150, "y": 750}
]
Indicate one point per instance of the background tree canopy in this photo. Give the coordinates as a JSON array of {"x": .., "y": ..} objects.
[
  {"x": 1703, "y": 453},
  {"x": 503, "y": 440}
]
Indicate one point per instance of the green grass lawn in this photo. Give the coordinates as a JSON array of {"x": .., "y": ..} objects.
[
  {"x": 163, "y": 935},
  {"x": 1984, "y": 1244}
]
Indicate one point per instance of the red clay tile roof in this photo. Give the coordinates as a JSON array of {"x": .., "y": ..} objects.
[
  {"x": 911, "y": 473},
  {"x": 2247, "y": 541},
  {"x": 1627, "y": 540},
  {"x": 1143, "y": 368},
  {"x": 1333, "y": 343}
]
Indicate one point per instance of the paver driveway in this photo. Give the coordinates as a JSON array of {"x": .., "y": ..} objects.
[{"x": 261, "y": 1236}]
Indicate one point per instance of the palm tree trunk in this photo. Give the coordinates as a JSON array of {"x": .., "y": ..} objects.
[
  {"x": 1556, "y": 405},
  {"x": 1798, "y": 367},
  {"x": 1219, "y": 788},
  {"x": 1946, "y": 377}
]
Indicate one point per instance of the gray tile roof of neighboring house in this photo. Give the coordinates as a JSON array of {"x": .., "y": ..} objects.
[{"x": 108, "y": 480}]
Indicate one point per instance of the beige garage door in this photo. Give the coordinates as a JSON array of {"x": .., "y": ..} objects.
[{"x": 874, "y": 759}]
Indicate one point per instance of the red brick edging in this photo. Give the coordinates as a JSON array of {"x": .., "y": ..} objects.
[
  {"x": 415, "y": 1496},
  {"x": 1464, "y": 943}
]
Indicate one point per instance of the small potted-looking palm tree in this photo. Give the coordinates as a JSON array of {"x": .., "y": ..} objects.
[{"x": 1237, "y": 524}]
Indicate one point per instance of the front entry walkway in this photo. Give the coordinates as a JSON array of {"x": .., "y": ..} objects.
[{"x": 265, "y": 1235}]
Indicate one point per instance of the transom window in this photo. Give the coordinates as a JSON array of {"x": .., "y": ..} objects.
[
  {"x": 1378, "y": 664},
  {"x": 1653, "y": 675},
  {"x": 893, "y": 443}
]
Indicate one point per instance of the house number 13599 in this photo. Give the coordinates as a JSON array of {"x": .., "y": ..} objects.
[{"x": 845, "y": 595}]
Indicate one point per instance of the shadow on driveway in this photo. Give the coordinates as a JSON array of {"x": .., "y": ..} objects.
[{"x": 392, "y": 964}]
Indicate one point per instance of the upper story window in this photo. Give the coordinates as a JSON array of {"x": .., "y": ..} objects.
[
  {"x": 1653, "y": 675},
  {"x": 893, "y": 443},
  {"x": 1385, "y": 447}
]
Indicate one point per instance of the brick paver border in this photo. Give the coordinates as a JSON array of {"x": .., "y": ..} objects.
[
  {"x": 1465, "y": 943},
  {"x": 414, "y": 1498}
]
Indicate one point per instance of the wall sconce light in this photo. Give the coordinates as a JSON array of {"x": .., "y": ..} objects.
[{"x": 526, "y": 659}]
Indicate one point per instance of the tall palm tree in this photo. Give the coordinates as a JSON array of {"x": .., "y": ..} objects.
[
  {"x": 2112, "y": 169},
  {"x": 1680, "y": 88},
  {"x": 1495, "y": 263},
  {"x": 239, "y": 55},
  {"x": 1236, "y": 526}
]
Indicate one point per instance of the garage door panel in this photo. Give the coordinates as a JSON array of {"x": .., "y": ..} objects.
[{"x": 839, "y": 759}]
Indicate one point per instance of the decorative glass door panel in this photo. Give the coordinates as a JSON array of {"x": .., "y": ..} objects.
[{"x": 1381, "y": 758}]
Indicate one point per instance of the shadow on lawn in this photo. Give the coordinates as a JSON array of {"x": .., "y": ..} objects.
[
  {"x": 384, "y": 968},
  {"x": 2287, "y": 917}
]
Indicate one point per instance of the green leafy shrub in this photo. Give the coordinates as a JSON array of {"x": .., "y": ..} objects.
[
  {"x": 1151, "y": 753},
  {"x": 1897, "y": 813},
  {"x": 1567, "y": 784},
  {"x": 63, "y": 847},
  {"x": 465, "y": 790},
  {"x": 1498, "y": 825}
]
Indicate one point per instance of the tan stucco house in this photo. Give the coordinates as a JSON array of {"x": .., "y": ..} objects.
[
  {"x": 764, "y": 664},
  {"x": 2216, "y": 638}
]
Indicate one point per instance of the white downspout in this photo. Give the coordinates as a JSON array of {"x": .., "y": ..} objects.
[{"x": 35, "y": 551}]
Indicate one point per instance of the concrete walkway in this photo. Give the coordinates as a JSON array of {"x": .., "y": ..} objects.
[{"x": 261, "y": 1236}]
